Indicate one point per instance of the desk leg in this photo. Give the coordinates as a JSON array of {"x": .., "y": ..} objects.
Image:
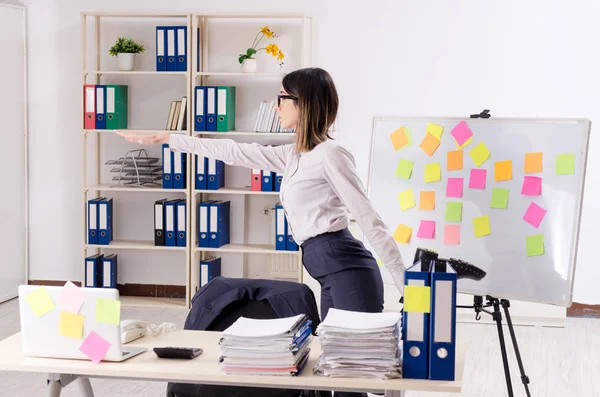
[
  {"x": 56, "y": 382},
  {"x": 54, "y": 388},
  {"x": 395, "y": 393},
  {"x": 86, "y": 387}
]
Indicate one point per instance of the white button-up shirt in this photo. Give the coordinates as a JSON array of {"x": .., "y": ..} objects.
[{"x": 318, "y": 189}]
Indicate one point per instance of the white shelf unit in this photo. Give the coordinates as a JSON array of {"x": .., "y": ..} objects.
[
  {"x": 216, "y": 64},
  {"x": 97, "y": 70},
  {"x": 279, "y": 264}
]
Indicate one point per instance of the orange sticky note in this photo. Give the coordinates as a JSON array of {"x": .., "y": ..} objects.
[
  {"x": 399, "y": 138},
  {"x": 454, "y": 160},
  {"x": 533, "y": 162},
  {"x": 429, "y": 144},
  {"x": 503, "y": 170},
  {"x": 403, "y": 234},
  {"x": 427, "y": 201}
]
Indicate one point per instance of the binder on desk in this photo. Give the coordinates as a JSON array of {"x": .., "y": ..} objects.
[
  {"x": 415, "y": 323},
  {"x": 116, "y": 107},
  {"x": 216, "y": 174},
  {"x": 105, "y": 221},
  {"x": 201, "y": 172},
  {"x": 161, "y": 48},
  {"x": 278, "y": 180},
  {"x": 280, "y": 228},
  {"x": 93, "y": 271},
  {"x": 200, "y": 111},
  {"x": 256, "y": 181},
  {"x": 167, "y": 164},
  {"x": 171, "y": 49},
  {"x": 211, "y": 109},
  {"x": 159, "y": 222},
  {"x": 290, "y": 243},
  {"x": 226, "y": 108},
  {"x": 203, "y": 223},
  {"x": 89, "y": 98},
  {"x": 170, "y": 223},
  {"x": 109, "y": 271},
  {"x": 442, "y": 338},
  {"x": 179, "y": 167},
  {"x": 219, "y": 224},
  {"x": 209, "y": 269},
  {"x": 180, "y": 206},
  {"x": 181, "y": 48},
  {"x": 100, "y": 107},
  {"x": 93, "y": 220}
]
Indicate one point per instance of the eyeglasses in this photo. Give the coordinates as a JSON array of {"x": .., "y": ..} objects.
[{"x": 280, "y": 97}]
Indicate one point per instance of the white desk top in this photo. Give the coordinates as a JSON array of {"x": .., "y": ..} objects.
[{"x": 205, "y": 369}]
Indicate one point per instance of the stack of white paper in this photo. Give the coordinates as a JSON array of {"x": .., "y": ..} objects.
[
  {"x": 266, "y": 347},
  {"x": 361, "y": 345}
]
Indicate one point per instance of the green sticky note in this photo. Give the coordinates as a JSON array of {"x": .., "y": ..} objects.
[
  {"x": 565, "y": 164},
  {"x": 499, "y": 198},
  {"x": 417, "y": 299},
  {"x": 479, "y": 154},
  {"x": 433, "y": 172},
  {"x": 409, "y": 136},
  {"x": 535, "y": 245},
  {"x": 108, "y": 311},
  {"x": 404, "y": 169},
  {"x": 454, "y": 211}
]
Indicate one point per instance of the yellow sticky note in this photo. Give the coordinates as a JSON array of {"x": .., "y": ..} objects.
[
  {"x": 429, "y": 144},
  {"x": 435, "y": 130},
  {"x": 533, "y": 162},
  {"x": 417, "y": 299},
  {"x": 108, "y": 311},
  {"x": 467, "y": 142},
  {"x": 380, "y": 262},
  {"x": 479, "y": 154},
  {"x": 40, "y": 302},
  {"x": 454, "y": 160},
  {"x": 427, "y": 201},
  {"x": 481, "y": 226},
  {"x": 399, "y": 138},
  {"x": 433, "y": 172},
  {"x": 407, "y": 199},
  {"x": 503, "y": 170},
  {"x": 71, "y": 325},
  {"x": 403, "y": 234}
]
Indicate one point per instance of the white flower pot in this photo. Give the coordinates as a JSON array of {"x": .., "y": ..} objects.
[
  {"x": 249, "y": 65},
  {"x": 126, "y": 61}
]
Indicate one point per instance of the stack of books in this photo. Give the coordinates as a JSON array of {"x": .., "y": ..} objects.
[
  {"x": 360, "y": 345},
  {"x": 266, "y": 347}
]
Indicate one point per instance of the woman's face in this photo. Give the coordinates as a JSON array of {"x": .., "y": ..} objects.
[{"x": 288, "y": 111}]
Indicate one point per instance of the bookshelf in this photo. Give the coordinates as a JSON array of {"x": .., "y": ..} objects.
[{"x": 251, "y": 253}]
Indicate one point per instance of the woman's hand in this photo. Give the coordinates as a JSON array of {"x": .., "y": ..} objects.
[{"x": 144, "y": 139}]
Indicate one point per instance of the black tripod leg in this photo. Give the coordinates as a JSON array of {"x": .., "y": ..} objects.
[
  {"x": 497, "y": 316},
  {"x": 524, "y": 378}
]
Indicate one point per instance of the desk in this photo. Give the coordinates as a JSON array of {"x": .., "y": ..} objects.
[{"x": 204, "y": 369}]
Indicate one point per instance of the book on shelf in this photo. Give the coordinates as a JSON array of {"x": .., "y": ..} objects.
[
  {"x": 177, "y": 115},
  {"x": 267, "y": 119}
]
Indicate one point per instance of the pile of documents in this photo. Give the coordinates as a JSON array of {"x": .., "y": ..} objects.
[
  {"x": 266, "y": 347},
  {"x": 360, "y": 345}
]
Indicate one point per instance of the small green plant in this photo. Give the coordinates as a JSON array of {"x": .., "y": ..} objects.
[{"x": 125, "y": 45}]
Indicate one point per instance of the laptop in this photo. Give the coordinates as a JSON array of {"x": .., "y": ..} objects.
[{"x": 41, "y": 338}]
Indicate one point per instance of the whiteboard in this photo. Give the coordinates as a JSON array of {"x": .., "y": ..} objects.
[{"x": 511, "y": 272}]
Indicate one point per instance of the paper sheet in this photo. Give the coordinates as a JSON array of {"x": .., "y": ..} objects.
[
  {"x": 499, "y": 198},
  {"x": 503, "y": 170},
  {"x": 403, "y": 234},
  {"x": 535, "y": 245},
  {"x": 71, "y": 325},
  {"x": 533, "y": 162},
  {"x": 426, "y": 230},
  {"x": 407, "y": 199},
  {"x": 477, "y": 178},
  {"x": 479, "y": 154},
  {"x": 40, "y": 302},
  {"x": 454, "y": 211},
  {"x": 358, "y": 320},
  {"x": 454, "y": 187},
  {"x": 429, "y": 144},
  {"x": 94, "y": 347},
  {"x": 481, "y": 226},
  {"x": 461, "y": 133},
  {"x": 399, "y": 138},
  {"x": 71, "y": 298},
  {"x": 532, "y": 186},
  {"x": 108, "y": 311},
  {"x": 404, "y": 169},
  {"x": 427, "y": 200},
  {"x": 534, "y": 215},
  {"x": 256, "y": 328},
  {"x": 452, "y": 234},
  {"x": 454, "y": 160},
  {"x": 417, "y": 299},
  {"x": 565, "y": 164}
]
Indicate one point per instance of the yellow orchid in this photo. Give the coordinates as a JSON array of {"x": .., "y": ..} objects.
[
  {"x": 267, "y": 32},
  {"x": 271, "y": 49},
  {"x": 280, "y": 55}
]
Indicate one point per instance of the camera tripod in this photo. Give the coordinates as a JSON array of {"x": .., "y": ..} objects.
[{"x": 496, "y": 314}]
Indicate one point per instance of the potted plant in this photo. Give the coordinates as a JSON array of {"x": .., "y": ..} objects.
[
  {"x": 125, "y": 49},
  {"x": 248, "y": 61}
]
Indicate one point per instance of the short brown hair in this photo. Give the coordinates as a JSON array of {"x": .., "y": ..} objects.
[{"x": 317, "y": 104}]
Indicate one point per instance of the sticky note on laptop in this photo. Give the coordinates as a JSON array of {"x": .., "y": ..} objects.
[
  {"x": 108, "y": 311},
  {"x": 71, "y": 325},
  {"x": 94, "y": 347},
  {"x": 40, "y": 302}
]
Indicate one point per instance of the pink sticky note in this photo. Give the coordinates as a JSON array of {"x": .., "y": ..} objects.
[
  {"x": 454, "y": 187},
  {"x": 426, "y": 229},
  {"x": 532, "y": 186},
  {"x": 461, "y": 132},
  {"x": 477, "y": 179},
  {"x": 95, "y": 347},
  {"x": 71, "y": 298},
  {"x": 451, "y": 234},
  {"x": 534, "y": 215}
]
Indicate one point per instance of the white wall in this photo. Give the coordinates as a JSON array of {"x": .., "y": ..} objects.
[{"x": 517, "y": 58}]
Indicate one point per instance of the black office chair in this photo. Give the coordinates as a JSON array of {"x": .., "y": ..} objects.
[{"x": 248, "y": 298}]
